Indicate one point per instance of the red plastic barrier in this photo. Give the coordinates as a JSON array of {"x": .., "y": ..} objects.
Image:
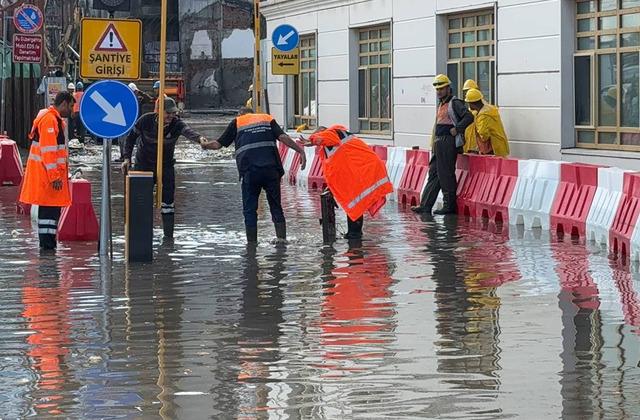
[
  {"x": 477, "y": 178},
  {"x": 381, "y": 151},
  {"x": 78, "y": 222},
  {"x": 495, "y": 194},
  {"x": 295, "y": 167},
  {"x": 578, "y": 184},
  {"x": 575, "y": 278},
  {"x": 462, "y": 175},
  {"x": 11, "y": 171},
  {"x": 626, "y": 217},
  {"x": 282, "y": 150},
  {"x": 316, "y": 174},
  {"x": 413, "y": 177}
]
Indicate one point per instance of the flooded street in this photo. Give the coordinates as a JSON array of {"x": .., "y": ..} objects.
[{"x": 427, "y": 318}]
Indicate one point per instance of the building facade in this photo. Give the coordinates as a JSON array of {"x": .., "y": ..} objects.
[{"x": 564, "y": 73}]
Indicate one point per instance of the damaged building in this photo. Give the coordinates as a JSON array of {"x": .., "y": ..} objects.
[{"x": 209, "y": 45}]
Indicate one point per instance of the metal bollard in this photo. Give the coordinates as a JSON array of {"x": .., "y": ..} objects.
[
  {"x": 139, "y": 217},
  {"x": 328, "y": 221}
]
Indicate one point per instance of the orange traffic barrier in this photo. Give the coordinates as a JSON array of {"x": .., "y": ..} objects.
[
  {"x": 626, "y": 218},
  {"x": 316, "y": 179},
  {"x": 79, "y": 222},
  {"x": 495, "y": 195},
  {"x": 414, "y": 177}
]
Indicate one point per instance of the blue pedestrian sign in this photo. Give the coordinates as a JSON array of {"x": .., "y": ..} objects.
[
  {"x": 28, "y": 19},
  {"x": 109, "y": 109},
  {"x": 285, "y": 38}
]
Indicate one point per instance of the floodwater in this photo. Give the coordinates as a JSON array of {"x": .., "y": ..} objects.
[{"x": 427, "y": 318}]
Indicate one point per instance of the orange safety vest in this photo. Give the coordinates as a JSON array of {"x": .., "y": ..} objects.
[
  {"x": 356, "y": 176},
  {"x": 48, "y": 162},
  {"x": 78, "y": 97}
]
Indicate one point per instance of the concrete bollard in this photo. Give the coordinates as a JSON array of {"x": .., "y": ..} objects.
[{"x": 139, "y": 217}]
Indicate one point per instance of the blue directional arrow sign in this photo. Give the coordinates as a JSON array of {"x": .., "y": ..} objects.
[
  {"x": 109, "y": 109},
  {"x": 285, "y": 38}
]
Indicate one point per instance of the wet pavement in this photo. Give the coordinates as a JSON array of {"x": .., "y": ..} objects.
[{"x": 427, "y": 318}]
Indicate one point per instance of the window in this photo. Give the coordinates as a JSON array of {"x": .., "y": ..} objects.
[
  {"x": 606, "y": 74},
  {"x": 374, "y": 79},
  {"x": 305, "y": 110},
  {"x": 471, "y": 51}
]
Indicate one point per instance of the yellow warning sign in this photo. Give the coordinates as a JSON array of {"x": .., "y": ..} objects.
[
  {"x": 285, "y": 63},
  {"x": 110, "y": 49}
]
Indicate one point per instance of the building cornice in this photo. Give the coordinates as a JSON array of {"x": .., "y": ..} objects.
[{"x": 277, "y": 8}]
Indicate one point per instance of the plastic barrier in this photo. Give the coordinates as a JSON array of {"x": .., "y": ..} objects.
[
  {"x": 476, "y": 179},
  {"x": 497, "y": 190},
  {"x": 23, "y": 208},
  {"x": 396, "y": 162},
  {"x": 623, "y": 234},
  {"x": 316, "y": 175},
  {"x": 381, "y": 151},
  {"x": 283, "y": 149},
  {"x": 534, "y": 193},
  {"x": 605, "y": 204},
  {"x": 78, "y": 222},
  {"x": 413, "y": 178},
  {"x": 303, "y": 174},
  {"x": 571, "y": 206},
  {"x": 287, "y": 163},
  {"x": 294, "y": 167},
  {"x": 11, "y": 171}
]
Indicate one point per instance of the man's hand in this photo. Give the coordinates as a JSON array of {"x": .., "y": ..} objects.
[
  {"x": 203, "y": 141},
  {"x": 57, "y": 185},
  {"x": 125, "y": 166},
  {"x": 303, "y": 160},
  {"x": 305, "y": 142},
  {"x": 453, "y": 132},
  {"x": 211, "y": 145}
]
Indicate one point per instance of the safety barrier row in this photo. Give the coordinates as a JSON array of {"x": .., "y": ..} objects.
[{"x": 591, "y": 202}]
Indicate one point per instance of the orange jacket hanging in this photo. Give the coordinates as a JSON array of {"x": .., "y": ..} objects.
[
  {"x": 48, "y": 162},
  {"x": 355, "y": 175}
]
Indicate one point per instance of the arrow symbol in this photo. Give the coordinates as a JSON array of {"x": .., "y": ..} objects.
[
  {"x": 286, "y": 64},
  {"x": 115, "y": 114},
  {"x": 284, "y": 40}
]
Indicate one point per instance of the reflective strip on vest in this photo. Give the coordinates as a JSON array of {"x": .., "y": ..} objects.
[
  {"x": 37, "y": 158},
  {"x": 49, "y": 149},
  {"x": 47, "y": 222},
  {"x": 51, "y": 166},
  {"x": 61, "y": 161},
  {"x": 368, "y": 191},
  {"x": 262, "y": 124},
  {"x": 255, "y": 146},
  {"x": 343, "y": 141},
  {"x": 47, "y": 231}
]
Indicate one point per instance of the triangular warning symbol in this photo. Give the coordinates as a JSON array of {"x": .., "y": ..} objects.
[{"x": 111, "y": 40}]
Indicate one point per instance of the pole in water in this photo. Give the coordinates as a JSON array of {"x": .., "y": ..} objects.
[
  {"x": 4, "y": 86},
  {"x": 328, "y": 221},
  {"x": 105, "y": 205},
  {"x": 139, "y": 217},
  {"x": 257, "y": 62},
  {"x": 163, "y": 71}
]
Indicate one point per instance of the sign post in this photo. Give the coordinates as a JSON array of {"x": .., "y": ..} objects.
[
  {"x": 163, "y": 70},
  {"x": 110, "y": 49},
  {"x": 285, "y": 55},
  {"x": 108, "y": 109}
]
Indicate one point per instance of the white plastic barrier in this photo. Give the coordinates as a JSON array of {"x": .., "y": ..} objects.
[
  {"x": 605, "y": 204},
  {"x": 303, "y": 175},
  {"x": 634, "y": 253},
  {"x": 534, "y": 193},
  {"x": 396, "y": 162},
  {"x": 287, "y": 163}
]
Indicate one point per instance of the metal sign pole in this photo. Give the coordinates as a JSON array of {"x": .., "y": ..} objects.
[
  {"x": 163, "y": 65},
  {"x": 105, "y": 205},
  {"x": 257, "y": 84},
  {"x": 4, "y": 90}
]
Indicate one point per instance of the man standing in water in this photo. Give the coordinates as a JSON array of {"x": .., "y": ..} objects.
[
  {"x": 146, "y": 129},
  {"x": 259, "y": 165}
]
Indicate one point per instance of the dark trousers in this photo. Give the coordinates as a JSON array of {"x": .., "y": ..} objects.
[
  {"x": 442, "y": 174},
  {"x": 168, "y": 185},
  {"x": 253, "y": 182},
  {"x": 48, "y": 218}
]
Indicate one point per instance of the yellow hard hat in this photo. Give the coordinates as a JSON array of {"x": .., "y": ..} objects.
[
  {"x": 470, "y": 84},
  {"x": 250, "y": 88},
  {"x": 474, "y": 95},
  {"x": 441, "y": 81}
]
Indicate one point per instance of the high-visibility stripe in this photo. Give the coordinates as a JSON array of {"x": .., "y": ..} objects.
[
  {"x": 37, "y": 158},
  {"x": 168, "y": 208},
  {"x": 51, "y": 165},
  {"x": 167, "y": 211},
  {"x": 62, "y": 161},
  {"x": 255, "y": 146},
  {"x": 47, "y": 231},
  {"x": 47, "y": 222},
  {"x": 48, "y": 149},
  {"x": 368, "y": 191},
  {"x": 35, "y": 143},
  {"x": 254, "y": 125}
]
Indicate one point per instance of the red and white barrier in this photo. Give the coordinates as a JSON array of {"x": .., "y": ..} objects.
[
  {"x": 302, "y": 179},
  {"x": 534, "y": 194},
  {"x": 396, "y": 163},
  {"x": 78, "y": 222},
  {"x": 414, "y": 177},
  {"x": 605, "y": 204},
  {"x": 316, "y": 175},
  {"x": 11, "y": 172}
]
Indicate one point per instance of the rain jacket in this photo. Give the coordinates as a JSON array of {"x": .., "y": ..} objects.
[
  {"x": 356, "y": 176},
  {"x": 48, "y": 162},
  {"x": 489, "y": 128}
]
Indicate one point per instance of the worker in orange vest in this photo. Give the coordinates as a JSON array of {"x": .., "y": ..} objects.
[
  {"x": 356, "y": 176},
  {"x": 76, "y": 122},
  {"x": 255, "y": 137},
  {"x": 46, "y": 181}
]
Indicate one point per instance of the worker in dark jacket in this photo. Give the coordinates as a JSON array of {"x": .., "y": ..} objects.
[
  {"x": 447, "y": 140},
  {"x": 146, "y": 131},
  {"x": 259, "y": 165}
]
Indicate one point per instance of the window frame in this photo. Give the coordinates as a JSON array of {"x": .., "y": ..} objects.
[
  {"x": 476, "y": 59},
  {"x": 595, "y": 53},
  {"x": 300, "y": 118},
  {"x": 367, "y": 118}
]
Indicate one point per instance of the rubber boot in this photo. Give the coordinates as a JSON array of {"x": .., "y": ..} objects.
[
  {"x": 168, "y": 221},
  {"x": 252, "y": 235},
  {"x": 450, "y": 205},
  {"x": 354, "y": 228},
  {"x": 281, "y": 233}
]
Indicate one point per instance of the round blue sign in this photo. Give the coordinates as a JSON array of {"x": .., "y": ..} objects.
[
  {"x": 28, "y": 19},
  {"x": 109, "y": 109},
  {"x": 285, "y": 38}
]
